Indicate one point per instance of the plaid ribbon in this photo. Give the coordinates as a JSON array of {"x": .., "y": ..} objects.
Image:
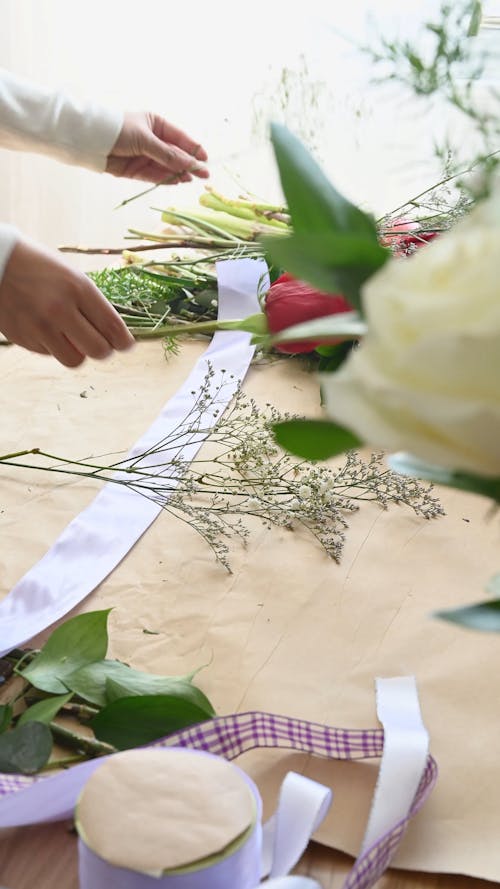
[{"x": 230, "y": 736}]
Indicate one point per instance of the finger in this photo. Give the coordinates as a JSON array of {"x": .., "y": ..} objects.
[
  {"x": 58, "y": 345},
  {"x": 168, "y": 133},
  {"x": 155, "y": 173},
  {"x": 146, "y": 170},
  {"x": 41, "y": 350},
  {"x": 104, "y": 318},
  {"x": 86, "y": 339},
  {"x": 173, "y": 159}
]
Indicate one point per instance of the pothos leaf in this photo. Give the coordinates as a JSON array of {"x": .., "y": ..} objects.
[
  {"x": 44, "y": 711},
  {"x": 79, "y": 641},
  {"x": 93, "y": 683},
  {"x": 134, "y": 721},
  {"x": 177, "y": 688}
]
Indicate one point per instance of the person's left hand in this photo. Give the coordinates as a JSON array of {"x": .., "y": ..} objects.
[{"x": 151, "y": 149}]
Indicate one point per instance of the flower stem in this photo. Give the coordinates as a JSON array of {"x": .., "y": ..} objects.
[
  {"x": 87, "y": 746},
  {"x": 62, "y": 763}
]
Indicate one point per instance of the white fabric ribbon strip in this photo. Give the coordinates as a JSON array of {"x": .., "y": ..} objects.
[
  {"x": 302, "y": 807},
  {"x": 96, "y": 541},
  {"x": 406, "y": 746}
]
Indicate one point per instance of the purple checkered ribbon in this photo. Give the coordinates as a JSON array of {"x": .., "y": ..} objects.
[{"x": 232, "y": 735}]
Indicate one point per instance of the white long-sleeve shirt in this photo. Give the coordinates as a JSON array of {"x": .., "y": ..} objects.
[{"x": 47, "y": 122}]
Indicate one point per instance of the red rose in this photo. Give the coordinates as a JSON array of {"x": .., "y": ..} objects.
[
  {"x": 289, "y": 302},
  {"x": 410, "y": 243}
]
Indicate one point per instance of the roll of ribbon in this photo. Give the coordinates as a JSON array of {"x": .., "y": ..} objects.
[
  {"x": 183, "y": 819},
  {"x": 169, "y": 819}
]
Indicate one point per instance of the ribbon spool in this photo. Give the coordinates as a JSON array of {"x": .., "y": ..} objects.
[
  {"x": 182, "y": 819},
  {"x": 175, "y": 819}
]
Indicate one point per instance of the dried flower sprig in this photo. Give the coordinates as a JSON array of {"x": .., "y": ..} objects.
[{"x": 245, "y": 474}]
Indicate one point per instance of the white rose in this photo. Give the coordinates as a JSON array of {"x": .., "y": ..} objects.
[{"x": 426, "y": 378}]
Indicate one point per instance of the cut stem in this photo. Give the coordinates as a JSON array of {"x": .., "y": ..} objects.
[{"x": 83, "y": 745}]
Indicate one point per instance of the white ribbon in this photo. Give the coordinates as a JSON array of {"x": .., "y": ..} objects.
[
  {"x": 302, "y": 807},
  {"x": 96, "y": 541},
  {"x": 406, "y": 746}
]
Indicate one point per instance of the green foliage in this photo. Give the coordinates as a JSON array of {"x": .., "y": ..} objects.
[
  {"x": 106, "y": 691},
  {"x": 445, "y": 64},
  {"x": 93, "y": 684},
  {"x": 334, "y": 244},
  {"x": 44, "y": 711},
  {"x": 347, "y": 325},
  {"x": 484, "y": 616},
  {"x": 145, "y": 299},
  {"x": 331, "y": 357},
  {"x": 334, "y": 262},
  {"x": 6, "y": 712},
  {"x": 314, "y": 439},
  {"x": 78, "y": 642},
  {"x": 315, "y": 206},
  {"x": 133, "y": 721},
  {"x": 25, "y": 749}
]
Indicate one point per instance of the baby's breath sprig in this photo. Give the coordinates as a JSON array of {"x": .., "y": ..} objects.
[{"x": 241, "y": 474}]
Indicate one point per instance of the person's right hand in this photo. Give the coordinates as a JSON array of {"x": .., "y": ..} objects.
[{"x": 48, "y": 307}]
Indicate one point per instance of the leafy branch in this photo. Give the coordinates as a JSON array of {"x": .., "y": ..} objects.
[{"x": 70, "y": 676}]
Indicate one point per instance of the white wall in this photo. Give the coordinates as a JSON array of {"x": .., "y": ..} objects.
[{"x": 215, "y": 70}]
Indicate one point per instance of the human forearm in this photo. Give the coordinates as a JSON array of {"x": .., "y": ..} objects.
[{"x": 46, "y": 122}]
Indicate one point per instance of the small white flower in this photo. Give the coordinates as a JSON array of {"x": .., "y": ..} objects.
[
  {"x": 213, "y": 302},
  {"x": 305, "y": 492},
  {"x": 253, "y": 503}
]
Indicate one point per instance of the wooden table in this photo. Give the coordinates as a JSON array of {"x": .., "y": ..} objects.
[{"x": 46, "y": 858}]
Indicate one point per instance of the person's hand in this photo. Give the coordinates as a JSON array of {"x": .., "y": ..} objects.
[
  {"x": 151, "y": 149},
  {"x": 48, "y": 307}
]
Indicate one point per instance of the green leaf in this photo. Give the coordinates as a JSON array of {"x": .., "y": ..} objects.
[
  {"x": 347, "y": 325},
  {"x": 76, "y": 643},
  {"x": 315, "y": 206},
  {"x": 484, "y": 616},
  {"x": 93, "y": 683},
  {"x": 335, "y": 262},
  {"x": 5, "y": 717},
  {"x": 25, "y": 749},
  {"x": 44, "y": 711},
  {"x": 134, "y": 721},
  {"x": 475, "y": 19},
  {"x": 177, "y": 688},
  {"x": 406, "y": 464},
  {"x": 314, "y": 439},
  {"x": 331, "y": 357}
]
